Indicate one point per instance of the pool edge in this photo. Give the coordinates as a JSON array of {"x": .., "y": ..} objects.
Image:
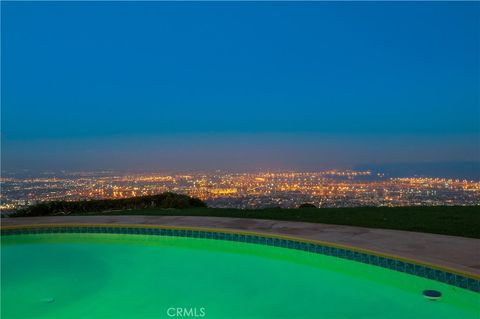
[{"x": 368, "y": 256}]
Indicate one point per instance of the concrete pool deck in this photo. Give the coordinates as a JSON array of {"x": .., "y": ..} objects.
[{"x": 458, "y": 253}]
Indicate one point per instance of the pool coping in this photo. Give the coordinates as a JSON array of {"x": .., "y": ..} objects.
[
  {"x": 412, "y": 266},
  {"x": 459, "y": 253}
]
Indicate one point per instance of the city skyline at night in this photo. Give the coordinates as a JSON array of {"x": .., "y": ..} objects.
[{"x": 246, "y": 190}]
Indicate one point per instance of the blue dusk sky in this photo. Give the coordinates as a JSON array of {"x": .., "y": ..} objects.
[{"x": 240, "y": 86}]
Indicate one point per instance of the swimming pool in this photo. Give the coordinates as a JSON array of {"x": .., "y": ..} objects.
[{"x": 132, "y": 272}]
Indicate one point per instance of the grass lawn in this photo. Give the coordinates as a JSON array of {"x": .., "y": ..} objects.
[{"x": 449, "y": 220}]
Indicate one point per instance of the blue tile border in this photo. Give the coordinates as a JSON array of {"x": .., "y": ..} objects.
[{"x": 419, "y": 270}]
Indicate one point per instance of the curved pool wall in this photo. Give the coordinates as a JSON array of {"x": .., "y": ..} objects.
[{"x": 409, "y": 266}]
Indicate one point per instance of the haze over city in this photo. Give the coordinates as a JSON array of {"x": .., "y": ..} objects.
[{"x": 241, "y": 87}]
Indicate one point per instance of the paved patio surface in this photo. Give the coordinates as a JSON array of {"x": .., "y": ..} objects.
[{"x": 462, "y": 254}]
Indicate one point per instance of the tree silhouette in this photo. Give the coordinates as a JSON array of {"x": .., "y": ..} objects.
[
  {"x": 164, "y": 200},
  {"x": 307, "y": 205}
]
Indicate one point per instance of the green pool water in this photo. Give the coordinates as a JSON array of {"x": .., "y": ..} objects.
[{"x": 137, "y": 276}]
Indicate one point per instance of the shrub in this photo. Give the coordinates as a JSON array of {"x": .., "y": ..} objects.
[
  {"x": 307, "y": 205},
  {"x": 164, "y": 200}
]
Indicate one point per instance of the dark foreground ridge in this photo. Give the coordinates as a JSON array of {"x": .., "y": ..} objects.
[
  {"x": 164, "y": 200},
  {"x": 447, "y": 220}
]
